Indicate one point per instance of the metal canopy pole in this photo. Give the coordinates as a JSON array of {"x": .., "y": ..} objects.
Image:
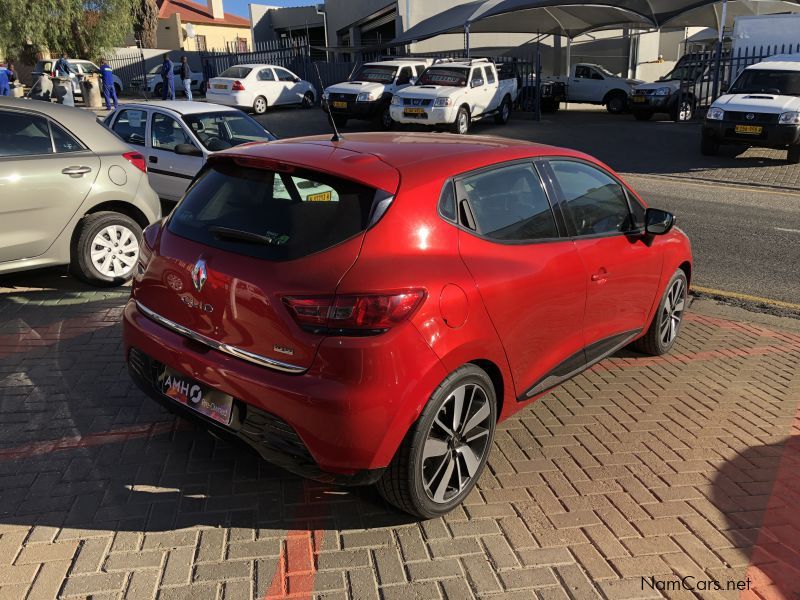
[
  {"x": 466, "y": 38},
  {"x": 569, "y": 66},
  {"x": 718, "y": 61}
]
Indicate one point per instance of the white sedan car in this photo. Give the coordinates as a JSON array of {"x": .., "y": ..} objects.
[
  {"x": 258, "y": 86},
  {"x": 177, "y": 137}
]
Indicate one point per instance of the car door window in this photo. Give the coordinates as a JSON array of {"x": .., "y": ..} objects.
[
  {"x": 596, "y": 202},
  {"x": 24, "y": 135},
  {"x": 405, "y": 76},
  {"x": 507, "y": 204},
  {"x": 284, "y": 75},
  {"x": 477, "y": 75},
  {"x": 583, "y": 72},
  {"x": 64, "y": 142},
  {"x": 167, "y": 133},
  {"x": 130, "y": 126},
  {"x": 596, "y": 75},
  {"x": 489, "y": 74},
  {"x": 266, "y": 75},
  {"x": 420, "y": 69}
]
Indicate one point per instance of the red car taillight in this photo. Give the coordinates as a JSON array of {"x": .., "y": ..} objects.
[
  {"x": 237, "y": 86},
  {"x": 137, "y": 160},
  {"x": 353, "y": 315}
]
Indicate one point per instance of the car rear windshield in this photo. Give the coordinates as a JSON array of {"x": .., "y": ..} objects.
[
  {"x": 444, "y": 76},
  {"x": 236, "y": 72},
  {"x": 767, "y": 81},
  {"x": 376, "y": 74},
  {"x": 271, "y": 215}
]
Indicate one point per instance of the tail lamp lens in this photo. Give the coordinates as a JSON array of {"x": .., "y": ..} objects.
[
  {"x": 237, "y": 86},
  {"x": 137, "y": 160},
  {"x": 353, "y": 314}
]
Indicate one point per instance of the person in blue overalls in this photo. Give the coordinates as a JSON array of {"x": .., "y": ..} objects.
[
  {"x": 107, "y": 78},
  {"x": 168, "y": 79},
  {"x": 5, "y": 78},
  {"x": 62, "y": 67}
]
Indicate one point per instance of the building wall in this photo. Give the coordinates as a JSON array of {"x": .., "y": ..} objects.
[
  {"x": 170, "y": 32},
  {"x": 218, "y": 36}
]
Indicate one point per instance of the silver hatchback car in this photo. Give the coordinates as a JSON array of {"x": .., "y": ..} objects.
[{"x": 71, "y": 192}]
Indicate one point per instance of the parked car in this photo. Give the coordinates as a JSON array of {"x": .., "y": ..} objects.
[
  {"x": 177, "y": 138},
  {"x": 72, "y": 193},
  {"x": 153, "y": 82},
  {"x": 594, "y": 84},
  {"x": 367, "y": 95},
  {"x": 455, "y": 93},
  {"x": 79, "y": 67},
  {"x": 257, "y": 87},
  {"x": 761, "y": 109},
  {"x": 378, "y": 331}
]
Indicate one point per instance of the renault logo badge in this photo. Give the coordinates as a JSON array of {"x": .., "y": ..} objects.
[{"x": 199, "y": 274}]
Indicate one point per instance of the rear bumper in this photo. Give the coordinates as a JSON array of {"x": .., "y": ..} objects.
[
  {"x": 772, "y": 135},
  {"x": 348, "y": 412},
  {"x": 228, "y": 99}
]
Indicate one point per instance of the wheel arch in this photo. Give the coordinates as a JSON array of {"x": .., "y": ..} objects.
[
  {"x": 614, "y": 92},
  {"x": 118, "y": 206},
  {"x": 496, "y": 375},
  {"x": 686, "y": 267}
]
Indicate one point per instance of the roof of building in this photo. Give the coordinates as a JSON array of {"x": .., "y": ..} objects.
[{"x": 192, "y": 12}]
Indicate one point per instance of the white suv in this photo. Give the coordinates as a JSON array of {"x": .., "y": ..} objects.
[{"x": 455, "y": 93}]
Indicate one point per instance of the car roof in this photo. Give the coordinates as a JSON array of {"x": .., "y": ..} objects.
[
  {"x": 444, "y": 155},
  {"x": 181, "y": 107},
  {"x": 394, "y": 63},
  {"x": 257, "y": 65},
  {"x": 81, "y": 123},
  {"x": 780, "y": 62}
]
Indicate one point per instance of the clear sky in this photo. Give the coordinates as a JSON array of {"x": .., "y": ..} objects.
[{"x": 240, "y": 7}]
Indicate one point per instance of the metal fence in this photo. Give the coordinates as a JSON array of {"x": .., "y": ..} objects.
[{"x": 705, "y": 76}]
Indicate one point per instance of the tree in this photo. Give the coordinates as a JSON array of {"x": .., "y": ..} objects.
[
  {"x": 146, "y": 22},
  {"x": 81, "y": 28}
]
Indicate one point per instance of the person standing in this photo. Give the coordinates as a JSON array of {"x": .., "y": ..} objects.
[
  {"x": 186, "y": 77},
  {"x": 168, "y": 79},
  {"x": 208, "y": 73},
  {"x": 62, "y": 67},
  {"x": 5, "y": 79},
  {"x": 63, "y": 70},
  {"x": 107, "y": 79}
]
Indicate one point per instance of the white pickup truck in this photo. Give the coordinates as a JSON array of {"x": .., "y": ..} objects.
[
  {"x": 761, "y": 109},
  {"x": 454, "y": 93},
  {"x": 593, "y": 84},
  {"x": 369, "y": 92}
]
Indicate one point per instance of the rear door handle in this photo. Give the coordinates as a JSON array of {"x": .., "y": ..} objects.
[
  {"x": 153, "y": 159},
  {"x": 76, "y": 171}
]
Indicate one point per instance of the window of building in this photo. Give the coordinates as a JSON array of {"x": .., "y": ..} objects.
[{"x": 200, "y": 40}]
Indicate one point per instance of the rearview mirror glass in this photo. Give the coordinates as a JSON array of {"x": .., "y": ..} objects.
[{"x": 658, "y": 222}]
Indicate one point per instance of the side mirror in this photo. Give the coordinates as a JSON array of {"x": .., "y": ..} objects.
[
  {"x": 188, "y": 150},
  {"x": 658, "y": 222},
  {"x": 412, "y": 81},
  {"x": 297, "y": 80},
  {"x": 477, "y": 83}
]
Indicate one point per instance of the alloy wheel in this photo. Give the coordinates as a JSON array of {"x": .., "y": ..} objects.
[
  {"x": 114, "y": 251},
  {"x": 260, "y": 105},
  {"x": 456, "y": 444},
  {"x": 463, "y": 125},
  {"x": 685, "y": 111},
  {"x": 672, "y": 313}
]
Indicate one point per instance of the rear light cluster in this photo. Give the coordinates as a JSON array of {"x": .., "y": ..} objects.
[
  {"x": 367, "y": 314},
  {"x": 137, "y": 160},
  {"x": 237, "y": 86}
]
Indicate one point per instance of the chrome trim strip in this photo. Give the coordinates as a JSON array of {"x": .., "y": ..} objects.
[{"x": 256, "y": 359}]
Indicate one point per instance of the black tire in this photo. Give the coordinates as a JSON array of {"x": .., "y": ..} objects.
[
  {"x": 88, "y": 228},
  {"x": 652, "y": 342},
  {"x": 308, "y": 100},
  {"x": 794, "y": 155},
  {"x": 616, "y": 103},
  {"x": 641, "y": 115},
  {"x": 709, "y": 146},
  {"x": 461, "y": 125},
  {"x": 159, "y": 89},
  {"x": 683, "y": 111},
  {"x": 403, "y": 482},
  {"x": 260, "y": 105},
  {"x": 384, "y": 119},
  {"x": 503, "y": 113},
  {"x": 550, "y": 105}
]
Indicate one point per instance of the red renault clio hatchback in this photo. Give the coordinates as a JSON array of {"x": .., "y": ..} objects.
[{"x": 366, "y": 310}]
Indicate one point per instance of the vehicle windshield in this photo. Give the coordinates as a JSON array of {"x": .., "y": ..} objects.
[
  {"x": 236, "y": 72},
  {"x": 450, "y": 76},
  {"x": 376, "y": 74},
  {"x": 685, "y": 72},
  {"x": 767, "y": 81},
  {"x": 223, "y": 130},
  {"x": 290, "y": 214}
]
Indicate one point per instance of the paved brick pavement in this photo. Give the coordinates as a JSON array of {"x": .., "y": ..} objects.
[{"x": 659, "y": 468}]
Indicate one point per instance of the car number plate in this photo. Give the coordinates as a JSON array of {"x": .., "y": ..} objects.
[
  {"x": 639, "y": 99},
  {"x": 220, "y": 86},
  {"x": 749, "y": 129},
  {"x": 414, "y": 111},
  {"x": 211, "y": 403},
  {"x": 337, "y": 104}
]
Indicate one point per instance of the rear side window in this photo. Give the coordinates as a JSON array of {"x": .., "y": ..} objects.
[
  {"x": 270, "y": 215},
  {"x": 489, "y": 74},
  {"x": 266, "y": 75},
  {"x": 24, "y": 135},
  {"x": 130, "y": 126},
  {"x": 510, "y": 204},
  {"x": 64, "y": 142},
  {"x": 595, "y": 201}
]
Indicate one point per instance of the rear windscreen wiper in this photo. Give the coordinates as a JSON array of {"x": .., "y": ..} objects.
[{"x": 248, "y": 236}]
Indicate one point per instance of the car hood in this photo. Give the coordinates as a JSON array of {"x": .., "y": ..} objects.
[
  {"x": 430, "y": 91},
  {"x": 672, "y": 84},
  {"x": 355, "y": 87},
  {"x": 757, "y": 102}
]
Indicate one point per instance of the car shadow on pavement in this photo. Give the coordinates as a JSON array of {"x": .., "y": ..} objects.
[
  {"x": 758, "y": 492},
  {"x": 81, "y": 447}
]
